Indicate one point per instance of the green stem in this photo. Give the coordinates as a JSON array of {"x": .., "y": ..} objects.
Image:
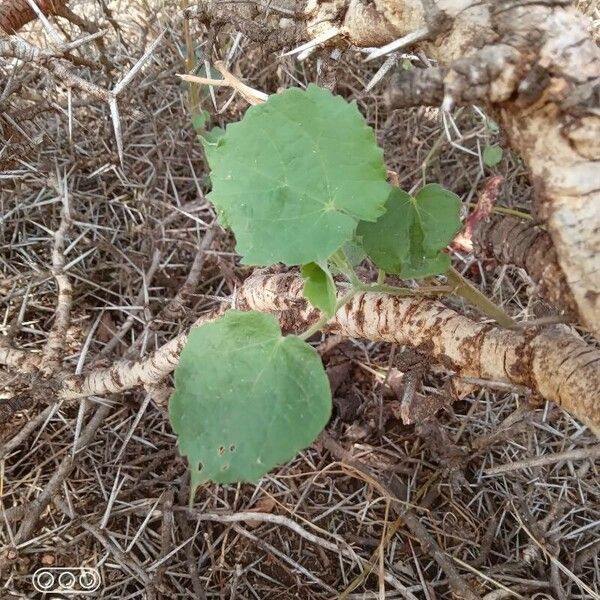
[
  {"x": 342, "y": 264},
  {"x": 504, "y": 210},
  {"x": 402, "y": 291},
  {"x": 464, "y": 289},
  {"x": 318, "y": 325}
]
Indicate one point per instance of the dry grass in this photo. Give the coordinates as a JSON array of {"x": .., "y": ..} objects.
[{"x": 530, "y": 531}]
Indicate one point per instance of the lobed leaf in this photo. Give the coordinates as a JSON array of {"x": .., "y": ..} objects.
[
  {"x": 246, "y": 398},
  {"x": 296, "y": 175},
  {"x": 409, "y": 238}
]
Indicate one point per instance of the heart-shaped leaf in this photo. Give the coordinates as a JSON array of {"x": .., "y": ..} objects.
[
  {"x": 246, "y": 398},
  {"x": 296, "y": 175}
]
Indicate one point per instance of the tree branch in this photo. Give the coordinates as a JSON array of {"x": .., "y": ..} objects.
[
  {"x": 14, "y": 14},
  {"x": 552, "y": 362},
  {"x": 52, "y": 354}
]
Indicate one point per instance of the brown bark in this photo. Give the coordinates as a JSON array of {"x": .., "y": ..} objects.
[
  {"x": 14, "y": 14},
  {"x": 514, "y": 242}
]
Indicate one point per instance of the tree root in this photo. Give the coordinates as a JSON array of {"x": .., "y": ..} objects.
[{"x": 546, "y": 95}]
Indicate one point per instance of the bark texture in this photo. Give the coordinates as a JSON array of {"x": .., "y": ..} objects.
[
  {"x": 16, "y": 13},
  {"x": 514, "y": 242},
  {"x": 551, "y": 361},
  {"x": 537, "y": 69}
]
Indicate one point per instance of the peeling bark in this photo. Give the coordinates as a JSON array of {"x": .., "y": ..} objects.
[{"x": 514, "y": 242}]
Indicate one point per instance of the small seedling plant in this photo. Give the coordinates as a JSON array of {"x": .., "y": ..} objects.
[{"x": 300, "y": 180}]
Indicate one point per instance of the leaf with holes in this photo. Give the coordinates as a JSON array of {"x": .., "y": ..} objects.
[
  {"x": 246, "y": 398},
  {"x": 296, "y": 175},
  {"x": 319, "y": 288},
  {"x": 409, "y": 238}
]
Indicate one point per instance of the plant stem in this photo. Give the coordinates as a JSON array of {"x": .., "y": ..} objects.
[
  {"x": 342, "y": 264},
  {"x": 471, "y": 294},
  {"x": 504, "y": 210},
  {"x": 321, "y": 322},
  {"x": 402, "y": 291}
]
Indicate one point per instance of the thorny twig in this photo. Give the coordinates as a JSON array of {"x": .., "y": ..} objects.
[
  {"x": 53, "y": 60},
  {"x": 52, "y": 353},
  {"x": 296, "y": 488},
  {"x": 409, "y": 517},
  {"x": 176, "y": 306},
  {"x": 44, "y": 498}
]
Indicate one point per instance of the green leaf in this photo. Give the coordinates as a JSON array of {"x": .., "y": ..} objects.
[
  {"x": 246, "y": 398},
  {"x": 438, "y": 212},
  {"x": 409, "y": 238},
  {"x": 492, "y": 155},
  {"x": 211, "y": 139},
  {"x": 295, "y": 176},
  {"x": 200, "y": 120},
  {"x": 319, "y": 288},
  {"x": 354, "y": 252}
]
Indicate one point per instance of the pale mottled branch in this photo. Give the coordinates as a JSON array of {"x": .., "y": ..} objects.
[
  {"x": 52, "y": 354},
  {"x": 553, "y": 361}
]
